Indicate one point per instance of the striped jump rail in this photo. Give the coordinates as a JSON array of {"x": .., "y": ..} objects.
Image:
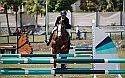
[
  {"x": 61, "y": 61},
  {"x": 82, "y": 49},
  {"x": 17, "y": 71},
  {"x": 83, "y": 52},
  {"x": 45, "y": 55}
]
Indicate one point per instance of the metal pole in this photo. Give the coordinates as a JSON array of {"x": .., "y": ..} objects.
[
  {"x": 20, "y": 24},
  {"x": 97, "y": 19},
  {"x": 16, "y": 33},
  {"x": 21, "y": 15},
  {"x": 46, "y": 19},
  {"x": 0, "y": 29},
  {"x": 123, "y": 12},
  {"x": 123, "y": 5}
]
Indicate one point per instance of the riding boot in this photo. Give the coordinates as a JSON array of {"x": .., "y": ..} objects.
[
  {"x": 48, "y": 42},
  {"x": 69, "y": 42}
]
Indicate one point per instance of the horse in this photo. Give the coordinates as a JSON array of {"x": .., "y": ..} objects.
[{"x": 60, "y": 42}]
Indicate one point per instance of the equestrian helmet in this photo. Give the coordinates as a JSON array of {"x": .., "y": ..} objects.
[{"x": 63, "y": 12}]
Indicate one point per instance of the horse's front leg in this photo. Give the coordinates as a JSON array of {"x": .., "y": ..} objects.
[
  {"x": 54, "y": 52},
  {"x": 63, "y": 65},
  {"x": 65, "y": 47},
  {"x": 55, "y": 63}
]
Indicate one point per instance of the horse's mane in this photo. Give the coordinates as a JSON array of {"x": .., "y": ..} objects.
[{"x": 24, "y": 45}]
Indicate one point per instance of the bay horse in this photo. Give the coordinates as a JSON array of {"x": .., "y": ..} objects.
[{"x": 60, "y": 42}]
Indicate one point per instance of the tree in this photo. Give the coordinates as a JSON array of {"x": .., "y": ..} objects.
[
  {"x": 6, "y": 4},
  {"x": 59, "y": 5},
  {"x": 117, "y": 4},
  {"x": 101, "y": 5},
  {"x": 32, "y": 8},
  {"x": 10, "y": 4},
  {"x": 15, "y": 4}
]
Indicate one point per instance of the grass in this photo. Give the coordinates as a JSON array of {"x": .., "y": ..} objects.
[
  {"x": 41, "y": 38},
  {"x": 13, "y": 39}
]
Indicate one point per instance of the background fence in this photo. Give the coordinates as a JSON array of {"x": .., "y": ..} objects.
[
  {"x": 116, "y": 33},
  {"x": 81, "y": 19},
  {"x": 113, "y": 23}
]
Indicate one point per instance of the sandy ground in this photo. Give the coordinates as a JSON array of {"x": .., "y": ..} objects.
[{"x": 43, "y": 48}]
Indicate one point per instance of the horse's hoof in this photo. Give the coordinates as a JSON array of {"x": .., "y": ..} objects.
[
  {"x": 64, "y": 66},
  {"x": 61, "y": 76},
  {"x": 54, "y": 76}
]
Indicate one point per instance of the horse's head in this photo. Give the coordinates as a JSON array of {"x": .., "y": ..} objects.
[{"x": 61, "y": 28}]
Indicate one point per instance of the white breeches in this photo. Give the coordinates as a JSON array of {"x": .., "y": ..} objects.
[
  {"x": 68, "y": 30},
  {"x": 54, "y": 29}
]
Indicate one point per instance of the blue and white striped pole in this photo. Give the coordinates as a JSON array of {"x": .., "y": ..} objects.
[
  {"x": 5, "y": 71},
  {"x": 45, "y": 55},
  {"x": 62, "y": 61}
]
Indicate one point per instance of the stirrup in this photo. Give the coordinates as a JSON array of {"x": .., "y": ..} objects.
[{"x": 47, "y": 42}]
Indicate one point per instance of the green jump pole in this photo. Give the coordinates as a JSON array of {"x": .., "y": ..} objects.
[
  {"x": 62, "y": 61},
  {"x": 18, "y": 71},
  {"x": 45, "y": 55}
]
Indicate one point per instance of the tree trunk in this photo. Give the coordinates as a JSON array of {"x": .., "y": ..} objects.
[
  {"x": 16, "y": 19},
  {"x": 36, "y": 20},
  {"x": 83, "y": 5},
  {"x": 21, "y": 25},
  {"x": 9, "y": 32}
]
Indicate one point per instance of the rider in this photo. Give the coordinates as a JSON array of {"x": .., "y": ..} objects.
[{"x": 66, "y": 22}]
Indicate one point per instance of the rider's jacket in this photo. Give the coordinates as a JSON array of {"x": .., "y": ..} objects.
[{"x": 66, "y": 22}]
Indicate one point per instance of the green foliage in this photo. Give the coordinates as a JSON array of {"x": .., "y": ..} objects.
[
  {"x": 59, "y": 5},
  {"x": 101, "y": 5},
  {"x": 11, "y": 4},
  {"x": 32, "y": 7}
]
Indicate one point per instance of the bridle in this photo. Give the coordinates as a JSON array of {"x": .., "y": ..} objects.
[{"x": 59, "y": 28}]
